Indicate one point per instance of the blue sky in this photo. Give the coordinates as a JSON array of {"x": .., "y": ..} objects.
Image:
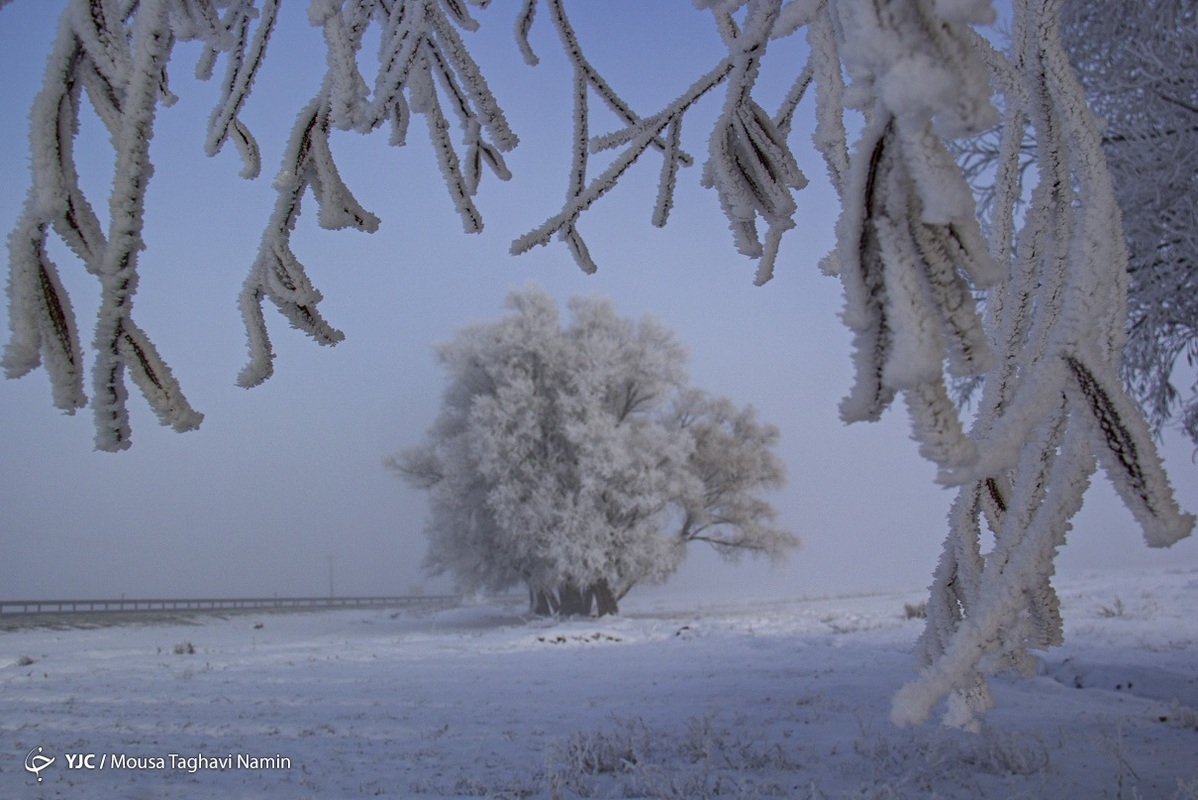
[{"x": 282, "y": 477}]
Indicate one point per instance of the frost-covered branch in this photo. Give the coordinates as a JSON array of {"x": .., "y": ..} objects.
[
  {"x": 1146, "y": 93},
  {"x": 581, "y": 194},
  {"x": 420, "y": 50},
  {"x": 116, "y": 55},
  {"x": 750, "y": 164},
  {"x": 1052, "y": 409},
  {"x": 909, "y": 250}
]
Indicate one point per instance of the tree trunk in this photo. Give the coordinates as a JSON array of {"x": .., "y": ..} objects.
[
  {"x": 575, "y": 602},
  {"x": 541, "y": 602},
  {"x": 568, "y": 600},
  {"x": 605, "y": 599}
]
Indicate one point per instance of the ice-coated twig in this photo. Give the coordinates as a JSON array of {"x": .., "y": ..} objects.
[
  {"x": 243, "y": 63},
  {"x": 119, "y": 343},
  {"x": 581, "y": 194},
  {"x": 277, "y": 274},
  {"x": 750, "y": 164},
  {"x": 909, "y": 250},
  {"x": 584, "y": 194},
  {"x": 523, "y": 27},
  {"x": 41, "y": 320}
]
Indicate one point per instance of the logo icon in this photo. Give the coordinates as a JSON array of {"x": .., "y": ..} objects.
[{"x": 35, "y": 762}]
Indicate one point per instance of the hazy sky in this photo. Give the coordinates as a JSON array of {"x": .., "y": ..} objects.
[{"x": 284, "y": 480}]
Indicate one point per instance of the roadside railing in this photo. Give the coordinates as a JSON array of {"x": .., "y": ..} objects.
[{"x": 12, "y": 607}]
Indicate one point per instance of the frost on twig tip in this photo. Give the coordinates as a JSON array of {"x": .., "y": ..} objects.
[
  {"x": 244, "y": 59},
  {"x": 1123, "y": 444}
]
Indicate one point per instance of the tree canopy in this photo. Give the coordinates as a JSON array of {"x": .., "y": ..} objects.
[
  {"x": 1136, "y": 65},
  {"x": 1145, "y": 89},
  {"x": 575, "y": 460}
]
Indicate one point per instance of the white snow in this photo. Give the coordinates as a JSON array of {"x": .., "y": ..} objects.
[{"x": 778, "y": 699}]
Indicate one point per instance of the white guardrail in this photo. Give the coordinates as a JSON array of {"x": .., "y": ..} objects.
[{"x": 13, "y": 607}]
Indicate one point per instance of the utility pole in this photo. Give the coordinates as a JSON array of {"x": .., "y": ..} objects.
[{"x": 330, "y": 577}]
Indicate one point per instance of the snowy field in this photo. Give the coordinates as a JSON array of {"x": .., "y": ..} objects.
[{"x": 782, "y": 699}]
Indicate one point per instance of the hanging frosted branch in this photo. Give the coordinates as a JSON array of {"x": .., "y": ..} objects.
[
  {"x": 1118, "y": 435},
  {"x": 909, "y": 250},
  {"x": 41, "y": 319},
  {"x": 1052, "y": 409},
  {"x": 1140, "y": 93},
  {"x": 243, "y": 62},
  {"x": 830, "y": 137},
  {"x": 638, "y": 136},
  {"x": 576, "y": 181},
  {"x": 119, "y": 344},
  {"x": 117, "y": 54},
  {"x": 907, "y": 301},
  {"x": 668, "y": 181},
  {"x": 477, "y": 102},
  {"x": 523, "y": 28},
  {"x": 750, "y": 165},
  {"x": 277, "y": 273},
  {"x": 423, "y": 67},
  {"x": 421, "y": 60},
  {"x": 859, "y": 265}
]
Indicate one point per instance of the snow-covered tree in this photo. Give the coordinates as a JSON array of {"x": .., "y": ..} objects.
[
  {"x": 909, "y": 253},
  {"x": 1138, "y": 63},
  {"x": 574, "y": 459},
  {"x": 733, "y": 459}
]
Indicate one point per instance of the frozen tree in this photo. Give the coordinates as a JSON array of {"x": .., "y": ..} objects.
[
  {"x": 1138, "y": 63},
  {"x": 574, "y": 459},
  {"x": 910, "y": 253},
  {"x": 733, "y": 459}
]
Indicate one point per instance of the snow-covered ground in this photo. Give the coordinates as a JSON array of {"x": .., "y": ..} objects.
[{"x": 779, "y": 699}]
